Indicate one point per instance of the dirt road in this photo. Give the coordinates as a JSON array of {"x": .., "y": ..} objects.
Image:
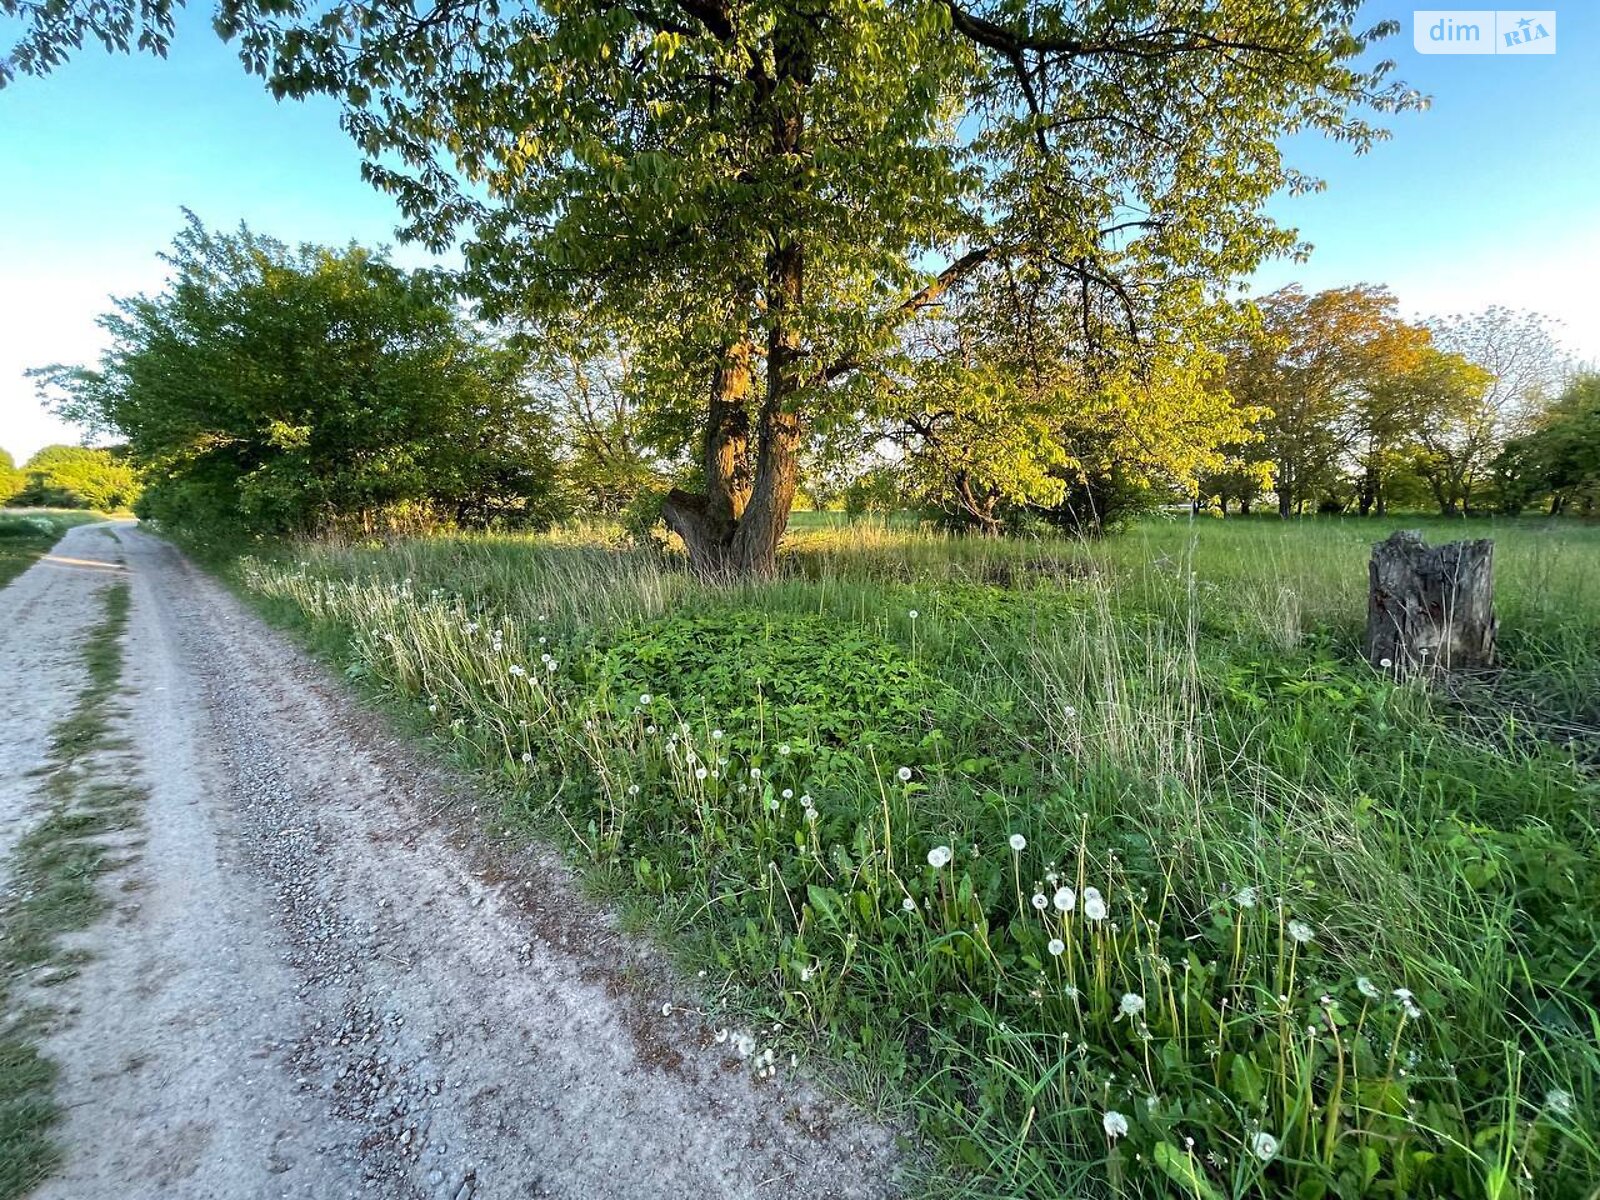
[{"x": 317, "y": 981}]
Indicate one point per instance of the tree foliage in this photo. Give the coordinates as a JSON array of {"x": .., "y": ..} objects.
[
  {"x": 1560, "y": 457},
  {"x": 77, "y": 477},
  {"x": 769, "y": 192},
  {"x": 280, "y": 390}
]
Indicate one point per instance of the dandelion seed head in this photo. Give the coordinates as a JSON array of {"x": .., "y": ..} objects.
[
  {"x": 1018, "y": 842},
  {"x": 633, "y": 789},
  {"x": 1056, "y": 947},
  {"x": 1246, "y": 897},
  {"x": 1301, "y": 932},
  {"x": 1064, "y": 900},
  {"x": 1115, "y": 1124},
  {"x": 1131, "y": 1005},
  {"x": 700, "y": 773},
  {"x": 644, "y": 699},
  {"x": 913, "y": 614},
  {"x": 909, "y": 904},
  {"x": 939, "y": 856},
  {"x": 1559, "y": 1101},
  {"x": 1367, "y": 988},
  {"x": 903, "y": 774},
  {"x": 1264, "y": 1146},
  {"x": 1040, "y": 901}
]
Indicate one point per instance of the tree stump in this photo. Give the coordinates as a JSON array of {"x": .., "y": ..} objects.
[{"x": 1430, "y": 609}]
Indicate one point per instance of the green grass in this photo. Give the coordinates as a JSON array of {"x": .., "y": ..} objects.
[
  {"x": 27, "y": 534},
  {"x": 1177, "y": 718},
  {"x": 53, "y": 889}
]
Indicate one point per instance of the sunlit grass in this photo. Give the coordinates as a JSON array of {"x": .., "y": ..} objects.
[{"x": 1177, "y": 718}]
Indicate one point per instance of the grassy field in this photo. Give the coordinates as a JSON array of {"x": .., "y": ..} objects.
[
  {"x": 1111, "y": 866},
  {"x": 26, "y": 534}
]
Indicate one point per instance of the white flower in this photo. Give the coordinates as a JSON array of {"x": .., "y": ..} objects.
[
  {"x": 1300, "y": 932},
  {"x": 755, "y": 772},
  {"x": 788, "y": 793},
  {"x": 903, "y": 774},
  {"x": 1264, "y": 1145},
  {"x": 1246, "y": 897},
  {"x": 939, "y": 856},
  {"x": 913, "y": 614},
  {"x": 1040, "y": 902},
  {"x": 1132, "y": 1005},
  {"x": 1065, "y": 901},
  {"x": 1094, "y": 907},
  {"x": 909, "y": 904},
  {"x": 784, "y": 749},
  {"x": 1056, "y": 947},
  {"x": 516, "y": 670},
  {"x": 1559, "y": 1101},
  {"x": 716, "y": 735},
  {"x": 1115, "y": 1124},
  {"x": 1366, "y": 987},
  {"x": 1018, "y": 842},
  {"x": 700, "y": 772},
  {"x": 644, "y": 699}
]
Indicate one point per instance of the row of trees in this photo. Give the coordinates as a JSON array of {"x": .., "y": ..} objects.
[
  {"x": 69, "y": 477},
  {"x": 1363, "y": 409},
  {"x": 794, "y": 218},
  {"x": 270, "y": 389}
]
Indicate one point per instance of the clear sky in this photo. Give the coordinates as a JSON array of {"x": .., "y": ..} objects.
[{"x": 1491, "y": 197}]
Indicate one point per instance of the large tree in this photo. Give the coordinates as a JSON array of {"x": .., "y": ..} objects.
[
  {"x": 269, "y": 389},
  {"x": 772, "y": 189}
]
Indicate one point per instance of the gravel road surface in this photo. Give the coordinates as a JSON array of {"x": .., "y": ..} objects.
[{"x": 320, "y": 979}]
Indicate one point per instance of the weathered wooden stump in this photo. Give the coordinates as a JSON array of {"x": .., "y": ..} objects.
[{"x": 1430, "y": 608}]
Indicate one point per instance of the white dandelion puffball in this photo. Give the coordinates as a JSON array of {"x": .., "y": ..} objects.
[
  {"x": 772, "y": 804},
  {"x": 909, "y": 904},
  {"x": 1386, "y": 663},
  {"x": 1246, "y": 897},
  {"x": 1264, "y": 1145},
  {"x": 433, "y": 708},
  {"x": 1018, "y": 842},
  {"x": 1559, "y": 1101},
  {"x": 1094, "y": 906},
  {"x": 1367, "y": 988},
  {"x": 666, "y": 1010},
  {"x": 1065, "y": 901},
  {"x": 527, "y": 756},
  {"x": 1057, "y": 947},
  {"x": 716, "y": 735},
  {"x": 1040, "y": 902},
  {"x": 516, "y": 670},
  {"x": 939, "y": 856},
  {"x": 811, "y": 814},
  {"x": 1131, "y": 1006},
  {"x": 903, "y": 774},
  {"x": 700, "y": 773},
  {"x": 1300, "y": 932},
  {"x": 551, "y": 665},
  {"x": 1115, "y": 1124},
  {"x": 1068, "y": 711},
  {"x": 644, "y": 699},
  {"x": 788, "y": 793},
  {"x": 913, "y": 614},
  {"x": 784, "y": 749},
  {"x": 633, "y": 789},
  {"x": 755, "y": 772},
  {"x": 650, "y": 729},
  {"x": 806, "y": 801}
]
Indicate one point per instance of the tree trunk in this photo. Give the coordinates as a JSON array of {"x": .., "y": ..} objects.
[
  {"x": 1244, "y": 506},
  {"x": 1430, "y": 609},
  {"x": 707, "y": 522}
]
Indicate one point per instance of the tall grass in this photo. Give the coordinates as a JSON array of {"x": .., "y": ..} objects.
[{"x": 1348, "y": 928}]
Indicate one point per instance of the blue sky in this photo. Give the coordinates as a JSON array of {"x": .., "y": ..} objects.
[{"x": 1493, "y": 196}]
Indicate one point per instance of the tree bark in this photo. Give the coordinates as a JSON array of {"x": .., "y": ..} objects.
[
  {"x": 707, "y": 522},
  {"x": 1430, "y": 608}
]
